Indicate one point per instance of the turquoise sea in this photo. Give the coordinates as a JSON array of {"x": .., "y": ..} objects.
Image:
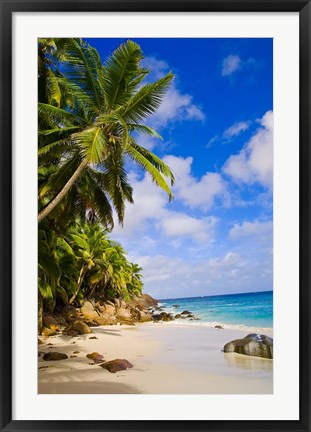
[{"x": 247, "y": 309}]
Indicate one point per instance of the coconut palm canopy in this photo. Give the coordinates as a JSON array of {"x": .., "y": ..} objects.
[{"x": 89, "y": 114}]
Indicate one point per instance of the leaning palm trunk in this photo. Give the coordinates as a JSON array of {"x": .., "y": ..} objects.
[
  {"x": 51, "y": 206},
  {"x": 79, "y": 283},
  {"x": 40, "y": 313}
]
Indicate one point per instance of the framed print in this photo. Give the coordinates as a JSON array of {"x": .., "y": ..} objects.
[{"x": 155, "y": 215}]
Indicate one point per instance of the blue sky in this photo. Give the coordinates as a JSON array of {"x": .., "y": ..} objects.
[{"x": 217, "y": 125}]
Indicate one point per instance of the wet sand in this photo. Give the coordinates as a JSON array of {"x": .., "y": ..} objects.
[{"x": 168, "y": 359}]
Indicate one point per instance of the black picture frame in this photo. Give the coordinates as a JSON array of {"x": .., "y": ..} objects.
[{"x": 7, "y": 9}]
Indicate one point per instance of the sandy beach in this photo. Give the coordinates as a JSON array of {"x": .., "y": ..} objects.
[{"x": 167, "y": 358}]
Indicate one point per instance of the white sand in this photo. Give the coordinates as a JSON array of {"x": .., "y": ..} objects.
[{"x": 168, "y": 359}]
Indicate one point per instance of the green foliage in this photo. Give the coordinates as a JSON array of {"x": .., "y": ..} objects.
[
  {"x": 85, "y": 249},
  {"x": 89, "y": 113}
]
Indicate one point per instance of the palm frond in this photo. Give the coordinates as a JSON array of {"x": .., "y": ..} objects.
[
  {"x": 154, "y": 160},
  {"x": 49, "y": 138},
  {"x": 83, "y": 66},
  {"x": 146, "y": 101},
  {"x": 53, "y": 89},
  {"x": 77, "y": 96},
  {"x": 121, "y": 68},
  {"x": 143, "y": 129},
  {"x": 57, "y": 180},
  {"x": 139, "y": 158},
  {"x": 93, "y": 144},
  {"x": 97, "y": 198},
  {"x": 114, "y": 179},
  {"x": 51, "y": 115}
]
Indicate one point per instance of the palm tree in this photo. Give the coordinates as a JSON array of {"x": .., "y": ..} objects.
[{"x": 88, "y": 128}]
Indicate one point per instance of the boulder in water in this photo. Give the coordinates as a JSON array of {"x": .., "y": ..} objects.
[
  {"x": 185, "y": 312},
  {"x": 252, "y": 345},
  {"x": 163, "y": 316}
]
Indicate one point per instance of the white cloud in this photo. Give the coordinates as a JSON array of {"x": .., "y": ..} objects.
[
  {"x": 234, "y": 63},
  {"x": 254, "y": 163},
  {"x": 151, "y": 209},
  {"x": 148, "y": 142},
  {"x": 231, "y": 64},
  {"x": 175, "y": 105},
  {"x": 157, "y": 67},
  {"x": 233, "y": 131},
  {"x": 196, "y": 193},
  {"x": 236, "y": 129},
  {"x": 166, "y": 276},
  {"x": 250, "y": 229},
  {"x": 231, "y": 258},
  {"x": 181, "y": 225}
]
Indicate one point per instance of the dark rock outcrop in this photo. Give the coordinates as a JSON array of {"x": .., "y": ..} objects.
[
  {"x": 116, "y": 365},
  {"x": 163, "y": 316},
  {"x": 252, "y": 345},
  {"x": 88, "y": 311},
  {"x": 124, "y": 315},
  {"x": 143, "y": 302},
  {"x": 76, "y": 321},
  {"x": 71, "y": 314},
  {"x": 48, "y": 332},
  {"x": 54, "y": 356},
  {"x": 50, "y": 322},
  {"x": 77, "y": 328},
  {"x": 145, "y": 317}
]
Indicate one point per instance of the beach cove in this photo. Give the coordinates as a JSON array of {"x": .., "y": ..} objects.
[{"x": 167, "y": 358}]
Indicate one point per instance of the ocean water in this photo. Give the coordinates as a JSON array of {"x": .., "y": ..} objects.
[{"x": 247, "y": 309}]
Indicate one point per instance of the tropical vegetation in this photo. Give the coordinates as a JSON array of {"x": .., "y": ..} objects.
[{"x": 89, "y": 117}]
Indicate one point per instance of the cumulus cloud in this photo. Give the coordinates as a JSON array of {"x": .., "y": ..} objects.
[
  {"x": 231, "y": 64},
  {"x": 250, "y": 229},
  {"x": 254, "y": 163},
  {"x": 196, "y": 193},
  {"x": 166, "y": 276},
  {"x": 231, "y": 258},
  {"x": 176, "y": 105},
  {"x": 151, "y": 209},
  {"x": 178, "y": 224}
]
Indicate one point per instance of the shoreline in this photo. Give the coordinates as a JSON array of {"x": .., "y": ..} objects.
[
  {"x": 240, "y": 327},
  {"x": 167, "y": 358}
]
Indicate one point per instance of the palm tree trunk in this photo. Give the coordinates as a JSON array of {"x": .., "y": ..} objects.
[
  {"x": 55, "y": 201},
  {"x": 40, "y": 313},
  {"x": 80, "y": 279}
]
